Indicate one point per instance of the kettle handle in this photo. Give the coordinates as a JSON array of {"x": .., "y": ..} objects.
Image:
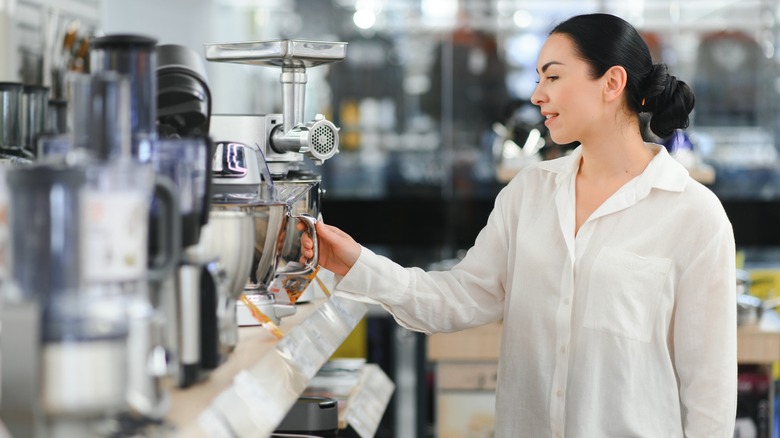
[{"x": 310, "y": 264}]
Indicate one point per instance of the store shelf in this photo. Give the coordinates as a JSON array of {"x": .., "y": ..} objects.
[{"x": 251, "y": 392}]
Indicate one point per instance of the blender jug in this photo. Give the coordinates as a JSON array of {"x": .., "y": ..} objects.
[
  {"x": 82, "y": 361},
  {"x": 100, "y": 115},
  {"x": 132, "y": 55},
  {"x": 115, "y": 251},
  {"x": 45, "y": 228}
]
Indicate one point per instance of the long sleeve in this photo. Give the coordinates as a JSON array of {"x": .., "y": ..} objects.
[
  {"x": 470, "y": 294},
  {"x": 705, "y": 339}
]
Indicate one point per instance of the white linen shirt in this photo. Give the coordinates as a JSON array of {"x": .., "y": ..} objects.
[{"x": 626, "y": 329}]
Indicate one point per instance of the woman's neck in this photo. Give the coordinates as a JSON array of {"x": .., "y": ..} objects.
[{"x": 619, "y": 154}]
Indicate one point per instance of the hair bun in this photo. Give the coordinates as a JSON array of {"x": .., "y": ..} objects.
[
  {"x": 656, "y": 82},
  {"x": 668, "y": 99}
]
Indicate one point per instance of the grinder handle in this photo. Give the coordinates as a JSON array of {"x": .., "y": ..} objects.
[{"x": 310, "y": 264}]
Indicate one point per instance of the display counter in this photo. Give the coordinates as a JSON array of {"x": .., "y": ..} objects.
[{"x": 251, "y": 392}]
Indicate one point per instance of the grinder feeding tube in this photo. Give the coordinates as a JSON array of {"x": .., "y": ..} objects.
[{"x": 287, "y": 138}]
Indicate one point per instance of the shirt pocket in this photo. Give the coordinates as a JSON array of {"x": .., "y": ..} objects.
[{"x": 624, "y": 293}]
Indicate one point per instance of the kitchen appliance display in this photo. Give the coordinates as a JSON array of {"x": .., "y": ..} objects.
[
  {"x": 279, "y": 142},
  {"x": 134, "y": 233}
]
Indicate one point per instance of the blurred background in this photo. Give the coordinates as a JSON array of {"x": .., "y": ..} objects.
[
  {"x": 424, "y": 83},
  {"x": 433, "y": 105}
]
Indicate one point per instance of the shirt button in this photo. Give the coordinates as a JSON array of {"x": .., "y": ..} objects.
[
  {"x": 566, "y": 301},
  {"x": 563, "y": 349},
  {"x": 559, "y": 393}
]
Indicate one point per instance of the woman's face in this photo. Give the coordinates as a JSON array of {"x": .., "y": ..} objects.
[{"x": 569, "y": 98}]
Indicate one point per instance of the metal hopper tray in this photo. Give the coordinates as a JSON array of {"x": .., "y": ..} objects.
[{"x": 278, "y": 53}]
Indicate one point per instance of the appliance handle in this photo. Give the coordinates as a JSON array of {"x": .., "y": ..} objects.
[
  {"x": 312, "y": 263},
  {"x": 169, "y": 231},
  {"x": 208, "y": 190}
]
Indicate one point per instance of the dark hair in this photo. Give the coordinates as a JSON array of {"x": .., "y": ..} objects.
[{"x": 604, "y": 41}]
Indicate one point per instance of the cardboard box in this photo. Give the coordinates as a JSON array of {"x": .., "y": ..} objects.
[
  {"x": 465, "y": 414},
  {"x": 479, "y": 343},
  {"x": 467, "y": 376}
]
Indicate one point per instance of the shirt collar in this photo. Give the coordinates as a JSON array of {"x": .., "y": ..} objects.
[{"x": 663, "y": 172}]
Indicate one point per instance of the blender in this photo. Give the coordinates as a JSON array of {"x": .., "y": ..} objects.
[
  {"x": 134, "y": 56},
  {"x": 120, "y": 196},
  {"x": 64, "y": 346}
]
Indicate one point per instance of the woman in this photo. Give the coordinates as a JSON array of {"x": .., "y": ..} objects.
[{"x": 613, "y": 270}]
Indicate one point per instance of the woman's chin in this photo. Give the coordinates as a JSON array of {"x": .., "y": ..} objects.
[{"x": 561, "y": 139}]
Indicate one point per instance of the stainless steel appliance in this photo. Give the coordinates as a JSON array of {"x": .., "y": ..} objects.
[
  {"x": 284, "y": 138},
  {"x": 35, "y": 105},
  {"x": 228, "y": 235},
  {"x": 281, "y": 141},
  {"x": 242, "y": 184},
  {"x": 12, "y": 124}
]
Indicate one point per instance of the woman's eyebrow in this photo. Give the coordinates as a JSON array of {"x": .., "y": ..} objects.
[{"x": 546, "y": 66}]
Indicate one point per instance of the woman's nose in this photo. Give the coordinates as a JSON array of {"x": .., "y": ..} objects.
[{"x": 537, "y": 96}]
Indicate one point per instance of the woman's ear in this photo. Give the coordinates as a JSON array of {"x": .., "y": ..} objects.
[{"x": 616, "y": 78}]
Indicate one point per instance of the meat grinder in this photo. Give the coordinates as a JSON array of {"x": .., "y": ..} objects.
[{"x": 281, "y": 141}]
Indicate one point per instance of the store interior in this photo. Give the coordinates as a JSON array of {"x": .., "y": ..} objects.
[{"x": 431, "y": 105}]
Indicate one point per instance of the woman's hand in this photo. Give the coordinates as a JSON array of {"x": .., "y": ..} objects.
[{"x": 338, "y": 251}]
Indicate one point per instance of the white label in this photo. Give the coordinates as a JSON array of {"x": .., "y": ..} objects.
[{"x": 116, "y": 230}]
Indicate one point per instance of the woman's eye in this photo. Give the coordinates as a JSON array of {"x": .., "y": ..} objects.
[{"x": 549, "y": 78}]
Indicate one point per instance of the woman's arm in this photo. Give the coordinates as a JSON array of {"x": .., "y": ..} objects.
[{"x": 704, "y": 339}]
